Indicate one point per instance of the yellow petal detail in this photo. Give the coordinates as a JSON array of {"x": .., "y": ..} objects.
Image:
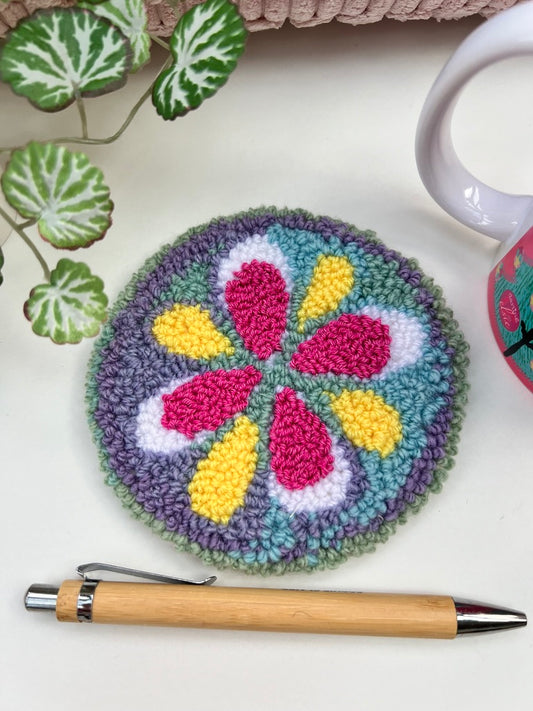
[
  {"x": 189, "y": 331},
  {"x": 218, "y": 487},
  {"x": 332, "y": 280},
  {"x": 367, "y": 420}
]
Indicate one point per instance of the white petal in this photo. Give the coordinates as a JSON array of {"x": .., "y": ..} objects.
[
  {"x": 407, "y": 337},
  {"x": 150, "y": 433},
  {"x": 325, "y": 494},
  {"x": 256, "y": 247}
]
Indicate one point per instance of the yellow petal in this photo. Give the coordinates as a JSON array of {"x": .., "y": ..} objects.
[
  {"x": 218, "y": 487},
  {"x": 189, "y": 331},
  {"x": 367, "y": 420},
  {"x": 332, "y": 280}
]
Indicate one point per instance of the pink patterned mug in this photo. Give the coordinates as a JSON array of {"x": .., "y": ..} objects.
[{"x": 507, "y": 218}]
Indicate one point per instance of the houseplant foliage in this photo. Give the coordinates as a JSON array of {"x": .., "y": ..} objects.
[{"x": 63, "y": 56}]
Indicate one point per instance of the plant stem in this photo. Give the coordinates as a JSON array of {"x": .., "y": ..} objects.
[
  {"x": 83, "y": 115},
  {"x": 28, "y": 223},
  {"x": 19, "y": 230},
  {"x": 160, "y": 42},
  {"x": 109, "y": 139},
  {"x": 128, "y": 120},
  {"x": 117, "y": 134}
]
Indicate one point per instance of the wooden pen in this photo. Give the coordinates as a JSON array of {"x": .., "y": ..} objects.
[{"x": 203, "y": 606}]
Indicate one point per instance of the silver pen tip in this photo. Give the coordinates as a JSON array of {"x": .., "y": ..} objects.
[
  {"x": 480, "y": 617},
  {"x": 41, "y": 597}
]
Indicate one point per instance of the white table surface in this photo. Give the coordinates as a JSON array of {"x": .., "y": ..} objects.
[{"x": 322, "y": 119}]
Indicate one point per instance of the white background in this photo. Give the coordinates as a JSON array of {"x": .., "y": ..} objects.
[{"x": 322, "y": 119}]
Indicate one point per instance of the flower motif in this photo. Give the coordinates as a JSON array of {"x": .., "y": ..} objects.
[
  {"x": 275, "y": 391},
  {"x": 308, "y": 469}
]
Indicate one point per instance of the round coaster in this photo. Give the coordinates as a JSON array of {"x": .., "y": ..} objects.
[{"x": 275, "y": 391}]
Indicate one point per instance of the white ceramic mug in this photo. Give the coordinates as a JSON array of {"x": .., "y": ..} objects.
[{"x": 507, "y": 218}]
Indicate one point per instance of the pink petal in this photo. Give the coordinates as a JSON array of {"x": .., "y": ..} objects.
[
  {"x": 257, "y": 299},
  {"x": 351, "y": 345},
  {"x": 208, "y": 400},
  {"x": 299, "y": 443}
]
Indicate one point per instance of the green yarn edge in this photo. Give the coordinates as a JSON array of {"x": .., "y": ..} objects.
[{"x": 356, "y": 546}]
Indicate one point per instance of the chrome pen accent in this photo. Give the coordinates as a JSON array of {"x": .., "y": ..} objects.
[
  {"x": 41, "y": 597},
  {"x": 84, "y": 606},
  {"x": 477, "y": 617}
]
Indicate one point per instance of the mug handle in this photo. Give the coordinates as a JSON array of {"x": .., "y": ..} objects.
[{"x": 494, "y": 213}]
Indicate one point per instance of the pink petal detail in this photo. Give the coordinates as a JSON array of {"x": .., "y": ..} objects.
[
  {"x": 257, "y": 299},
  {"x": 208, "y": 400},
  {"x": 351, "y": 345},
  {"x": 299, "y": 443}
]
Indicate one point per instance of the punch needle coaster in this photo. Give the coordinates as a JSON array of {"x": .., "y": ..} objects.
[{"x": 276, "y": 391}]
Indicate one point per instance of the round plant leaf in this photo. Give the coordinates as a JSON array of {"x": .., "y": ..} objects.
[
  {"x": 206, "y": 44},
  {"x": 62, "y": 190},
  {"x": 72, "y": 306},
  {"x": 130, "y": 17},
  {"x": 55, "y": 54}
]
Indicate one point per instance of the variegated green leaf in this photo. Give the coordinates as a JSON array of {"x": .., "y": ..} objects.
[
  {"x": 62, "y": 190},
  {"x": 206, "y": 44},
  {"x": 130, "y": 17},
  {"x": 55, "y": 54},
  {"x": 71, "y": 307}
]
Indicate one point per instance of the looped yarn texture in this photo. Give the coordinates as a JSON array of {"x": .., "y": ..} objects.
[{"x": 275, "y": 391}]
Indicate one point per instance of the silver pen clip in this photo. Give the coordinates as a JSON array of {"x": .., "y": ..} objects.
[
  {"x": 44, "y": 597},
  {"x": 88, "y": 588},
  {"x": 82, "y": 570}
]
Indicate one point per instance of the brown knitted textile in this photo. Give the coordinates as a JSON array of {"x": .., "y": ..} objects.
[{"x": 267, "y": 14}]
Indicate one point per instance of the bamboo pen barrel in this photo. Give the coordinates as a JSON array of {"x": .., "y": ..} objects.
[{"x": 264, "y": 609}]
